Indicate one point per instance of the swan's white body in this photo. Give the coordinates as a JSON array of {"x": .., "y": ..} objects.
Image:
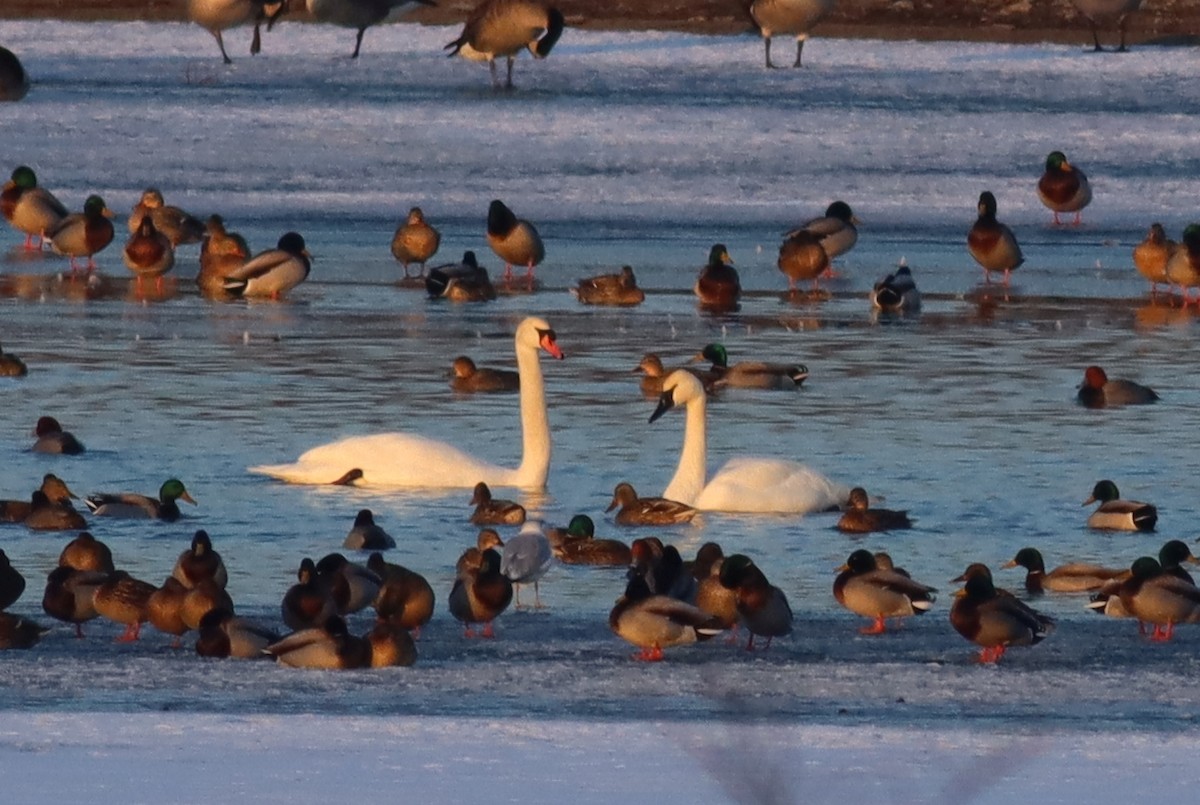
[
  {"x": 408, "y": 460},
  {"x": 743, "y": 484}
]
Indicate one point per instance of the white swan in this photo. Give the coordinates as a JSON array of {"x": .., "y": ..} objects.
[
  {"x": 408, "y": 460},
  {"x": 743, "y": 484}
]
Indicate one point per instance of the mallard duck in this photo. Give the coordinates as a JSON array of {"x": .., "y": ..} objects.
[
  {"x": 751, "y": 374},
  {"x": 995, "y": 621},
  {"x": 577, "y": 545},
  {"x": 1097, "y": 391},
  {"x": 718, "y": 285},
  {"x": 1100, "y": 11},
  {"x": 51, "y": 438},
  {"x": 505, "y": 28},
  {"x": 860, "y": 518},
  {"x": 802, "y": 258},
  {"x": 172, "y": 223},
  {"x": 84, "y": 234},
  {"x": 1171, "y": 555},
  {"x": 796, "y": 17},
  {"x": 991, "y": 243},
  {"x": 619, "y": 290},
  {"x": 654, "y": 622},
  {"x": 391, "y": 646},
  {"x": 14, "y": 81},
  {"x": 1150, "y": 257},
  {"x": 653, "y": 375},
  {"x": 494, "y": 511},
  {"x": 164, "y": 609},
  {"x": 415, "y": 240},
  {"x": 712, "y": 596},
  {"x": 307, "y": 602},
  {"x": 897, "y": 292},
  {"x": 202, "y": 599},
  {"x": 868, "y": 590},
  {"x": 132, "y": 505},
  {"x": 1183, "y": 266},
  {"x": 467, "y": 378},
  {"x": 1074, "y": 577},
  {"x": 30, "y": 209},
  {"x": 365, "y": 535},
  {"x": 405, "y": 600},
  {"x": 200, "y": 563},
  {"x": 525, "y": 559},
  {"x": 53, "y": 490},
  {"x": 48, "y": 515},
  {"x": 223, "y": 634},
  {"x": 1152, "y": 596},
  {"x": 460, "y": 282},
  {"x": 352, "y": 586},
  {"x": 12, "y": 583},
  {"x": 86, "y": 553},
  {"x": 148, "y": 252},
  {"x": 17, "y": 632},
  {"x": 122, "y": 599},
  {"x": 514, "y": 240},
  {"x": 328, "y": 647},
  {"x": 1116, "y": 514},
  {"x": 70, "y": 595},
  {"x": 1064, "y": 187},
  {"x": 221, "y": 254},
  {"x": 836, "y": 230},
  {"x": 359, "y": 14},
  {"x": 762, "y": 606},
  {"x": 646, "y": 511},
  {"x": 480, "y": 592},
  {"x": 11, "y": 365},
  {"x": 274, "y": 272},
  {"x": 662, "y": 567},
  {"x": 216, "y": 16}
]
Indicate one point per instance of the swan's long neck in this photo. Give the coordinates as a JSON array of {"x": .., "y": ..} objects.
[
  {"x": 535, "y": 422},
  {"x": 691, "y": 474}
]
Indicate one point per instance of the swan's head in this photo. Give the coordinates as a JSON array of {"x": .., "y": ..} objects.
[
  {"x": 537, "y": 333},
  {"x": 680, "y": 388}
]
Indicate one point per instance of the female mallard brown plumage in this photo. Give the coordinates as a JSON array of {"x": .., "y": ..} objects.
[
  {"x": 577, "y": 545},
  {"x": 307, "y": 602},
  {"x": 48, "y": 515},
  {"x": 122, "y": 599},
  {"x": 202, "y": 599},
  {"x": 802, "y": 258},
  {"x": 1074, "y": 577},
  {"x": 619, "y": 290},
  {"x": 993, "y": 620},
  {"x": 53, "y": 490},
  {"x": 467, "y": 378},
  {"x": 480, "y": 592},
  {"x": 1116, "y": 514},
  {"x": 1063, "y": 187},
  {"x": 87, "y": 553},
  {"x": 200, "y": 563},
  {"x": 391, "y": 646},
  {"x": 991, "y": 243},
  {"x": 494, "y": 511},
  {"x": 70, "y": 595},
  {"x": 365, "y": 535},
  {"x": 11, "y": 365},
  {"x": 711, "y": 595},
  {"x": 405, "y": 599},
  {"x": 635, "y": 510},
  {"x": 177, "y": 226},
  {"x": 718, "y": 285},
  {"x": 1151, "y": 256},
  {"x": 222, "y": 253},
  {"x": 415, "y": 241},
  {"x": 860, "y": 518},
  {"x": 762, "y": 606},
  {"x": 654, "y": 622},
  {"x": 505, "y": 28},
  {"x": 52, "y": 439},
  {"x": 164, "y": 609},
  {"x": 1183, "y": 266},
  {"x": 873, "y": 592},
  {"x": 84, "y": 234},
  {"x": 514, "y": 240}
]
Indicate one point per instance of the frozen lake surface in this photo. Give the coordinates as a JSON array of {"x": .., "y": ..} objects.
[{"x": 624, "y": 148}]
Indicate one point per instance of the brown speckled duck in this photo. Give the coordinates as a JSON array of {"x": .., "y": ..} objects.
[
  {"x": 405, "y": 599},
  {"x": 122, "y": 599},
  {"x": 87, "y": 553},
  {"x": 494, "y": 511},
  {"x": 860, "y": 518},
  {"x": 164, "y": 609},
  {"x": 173, "y": 223},
  {"x": 616, "y": 290},
  {"x": 467, "y": 378},
  {"x": 868, "y": 590},
  {"x": 391, "y": 646},
  {"x": 1150, "y": 257},
  {"x": 415, "y": 241},
  {"x": 11, "y": 365},
  {"x": 636, "y": 510},
  {"x": 70, "y": 595},
  {"x": 802, "y": 259},
  {"x": 48, "y": 515}
]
